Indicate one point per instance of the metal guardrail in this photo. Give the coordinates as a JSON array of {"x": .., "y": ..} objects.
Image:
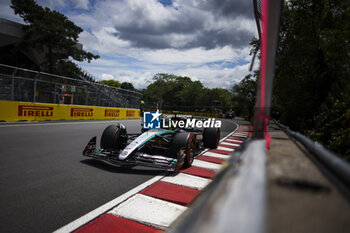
[
  {"x": 18, "y": 84},
  {"x": 336, "y": 165},
  {"x": 235, "y": 200}
]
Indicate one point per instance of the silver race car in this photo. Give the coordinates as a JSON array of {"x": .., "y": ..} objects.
[{"x": 159, "y": 148}]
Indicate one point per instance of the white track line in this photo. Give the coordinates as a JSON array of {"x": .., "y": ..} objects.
[
  {"x": 225, "y": 148},
  {"x": 230, "y": 134},
  {"x": 216, "y": 155},
  {"x": 207, "y": 165},
  {"x": 233, "y": 140},
  {"x": 235, "y": 137},
  {"x": 229, "y": 144},
  {"x": 240, "y": 135},
  {"x": 104, "y": 208},
  {"x": 154, "y": 212},
  {"x": 194, "y": 182}
]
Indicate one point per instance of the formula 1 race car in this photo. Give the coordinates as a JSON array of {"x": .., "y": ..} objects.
[{"x": 159, "y": 148}]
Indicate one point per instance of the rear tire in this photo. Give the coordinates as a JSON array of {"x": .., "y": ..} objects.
[
  {"x": 211, "y": 137},
  {"x": 113, "y": 137}
]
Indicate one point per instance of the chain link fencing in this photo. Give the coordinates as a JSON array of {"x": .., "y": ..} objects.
[{"x": 17, "y": 84}]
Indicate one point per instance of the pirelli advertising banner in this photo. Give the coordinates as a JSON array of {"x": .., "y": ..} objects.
[{"x": 26, "y": 111}]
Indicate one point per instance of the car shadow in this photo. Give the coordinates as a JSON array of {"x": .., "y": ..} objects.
[{"x": 118, "y": 169}]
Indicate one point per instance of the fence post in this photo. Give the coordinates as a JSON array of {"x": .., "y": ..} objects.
[
  {"x": 34, "y": 97},
  {"x": 13, "y": 85},
  {"x": 35, "y": 78},
  {"x": 87, "y": 96},
  {"x": 55, "y": 94},
  {"x": 99, "y": 98},
  {"x": 106, "y": 96}
]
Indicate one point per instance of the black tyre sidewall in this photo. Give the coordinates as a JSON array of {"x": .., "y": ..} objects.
[
  {"x": 182, "y": 141},
  {"x": 110, "y": 136},
  {"x": 211, "y": 137},
  {"x": 191, "y": 144}
]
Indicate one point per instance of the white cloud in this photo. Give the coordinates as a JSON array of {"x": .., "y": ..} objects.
[
  {"x": 53, "y": 4},
  {"x": 6, "y": 12},
  {"x": 140, "y": 80},
  {"x": 106, "y": 76},
  {"x": 83, "y": 4},
  {"x": 210, "y": 75},
  {"x": 104, "y": 42},
  {"x": 137, "y": 39},
  {"x": 193, "y": 56},
  {"x": 216, "y": 77}
]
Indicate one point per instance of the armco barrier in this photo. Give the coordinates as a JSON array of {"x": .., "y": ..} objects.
[{"x": 27, "y": 111}]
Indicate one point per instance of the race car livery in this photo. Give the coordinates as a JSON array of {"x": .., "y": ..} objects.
[{"x": 168, "y": 149}]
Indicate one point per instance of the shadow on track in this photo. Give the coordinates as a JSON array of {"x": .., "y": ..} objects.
[{"x": 117, "y": 169}]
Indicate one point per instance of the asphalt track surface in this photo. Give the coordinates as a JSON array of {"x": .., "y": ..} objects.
[{"x": 45, "y": 181}]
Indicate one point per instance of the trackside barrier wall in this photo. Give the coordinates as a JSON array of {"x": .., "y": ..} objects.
[
  {"x": 28, "y": 111},
  {"x": 331, "y": 161}
]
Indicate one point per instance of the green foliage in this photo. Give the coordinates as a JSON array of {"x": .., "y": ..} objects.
[
  {"x": 244, "y": 94},
  {"x": 333, "y": 124},
  {"x": 111, "y": 83},
  {"x": 220, "y": 94},
  {"x": 255, "y": 46},
  {"x": 312, "y": 80},
  {"x": 52, "y": 33},
  {"x": 127, "y": 85},
  {"x": 172, "y": 90}
]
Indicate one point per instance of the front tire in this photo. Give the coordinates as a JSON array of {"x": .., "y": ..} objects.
[
  {"x": 190, "y": 152},
  {"x": 113, "y": 137},
  {"x": 184, "y": 149}
]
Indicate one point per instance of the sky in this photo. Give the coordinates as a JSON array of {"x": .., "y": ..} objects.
[{"x": 206, "y": 40}]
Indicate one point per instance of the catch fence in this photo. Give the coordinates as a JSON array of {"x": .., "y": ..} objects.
[{"x": 18, "y": 84}]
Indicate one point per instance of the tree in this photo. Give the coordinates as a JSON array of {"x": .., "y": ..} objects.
[
  {"x": 244, "y": 94},
  {"x": 127, "y": 85},
  {"x": 183, "y": 93},
  {"x": 312, "y": 79},
  {"x": 189, "y": 93},
  {"x": 110, "y": 82},
  {"x": 51, "y": 32}
]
